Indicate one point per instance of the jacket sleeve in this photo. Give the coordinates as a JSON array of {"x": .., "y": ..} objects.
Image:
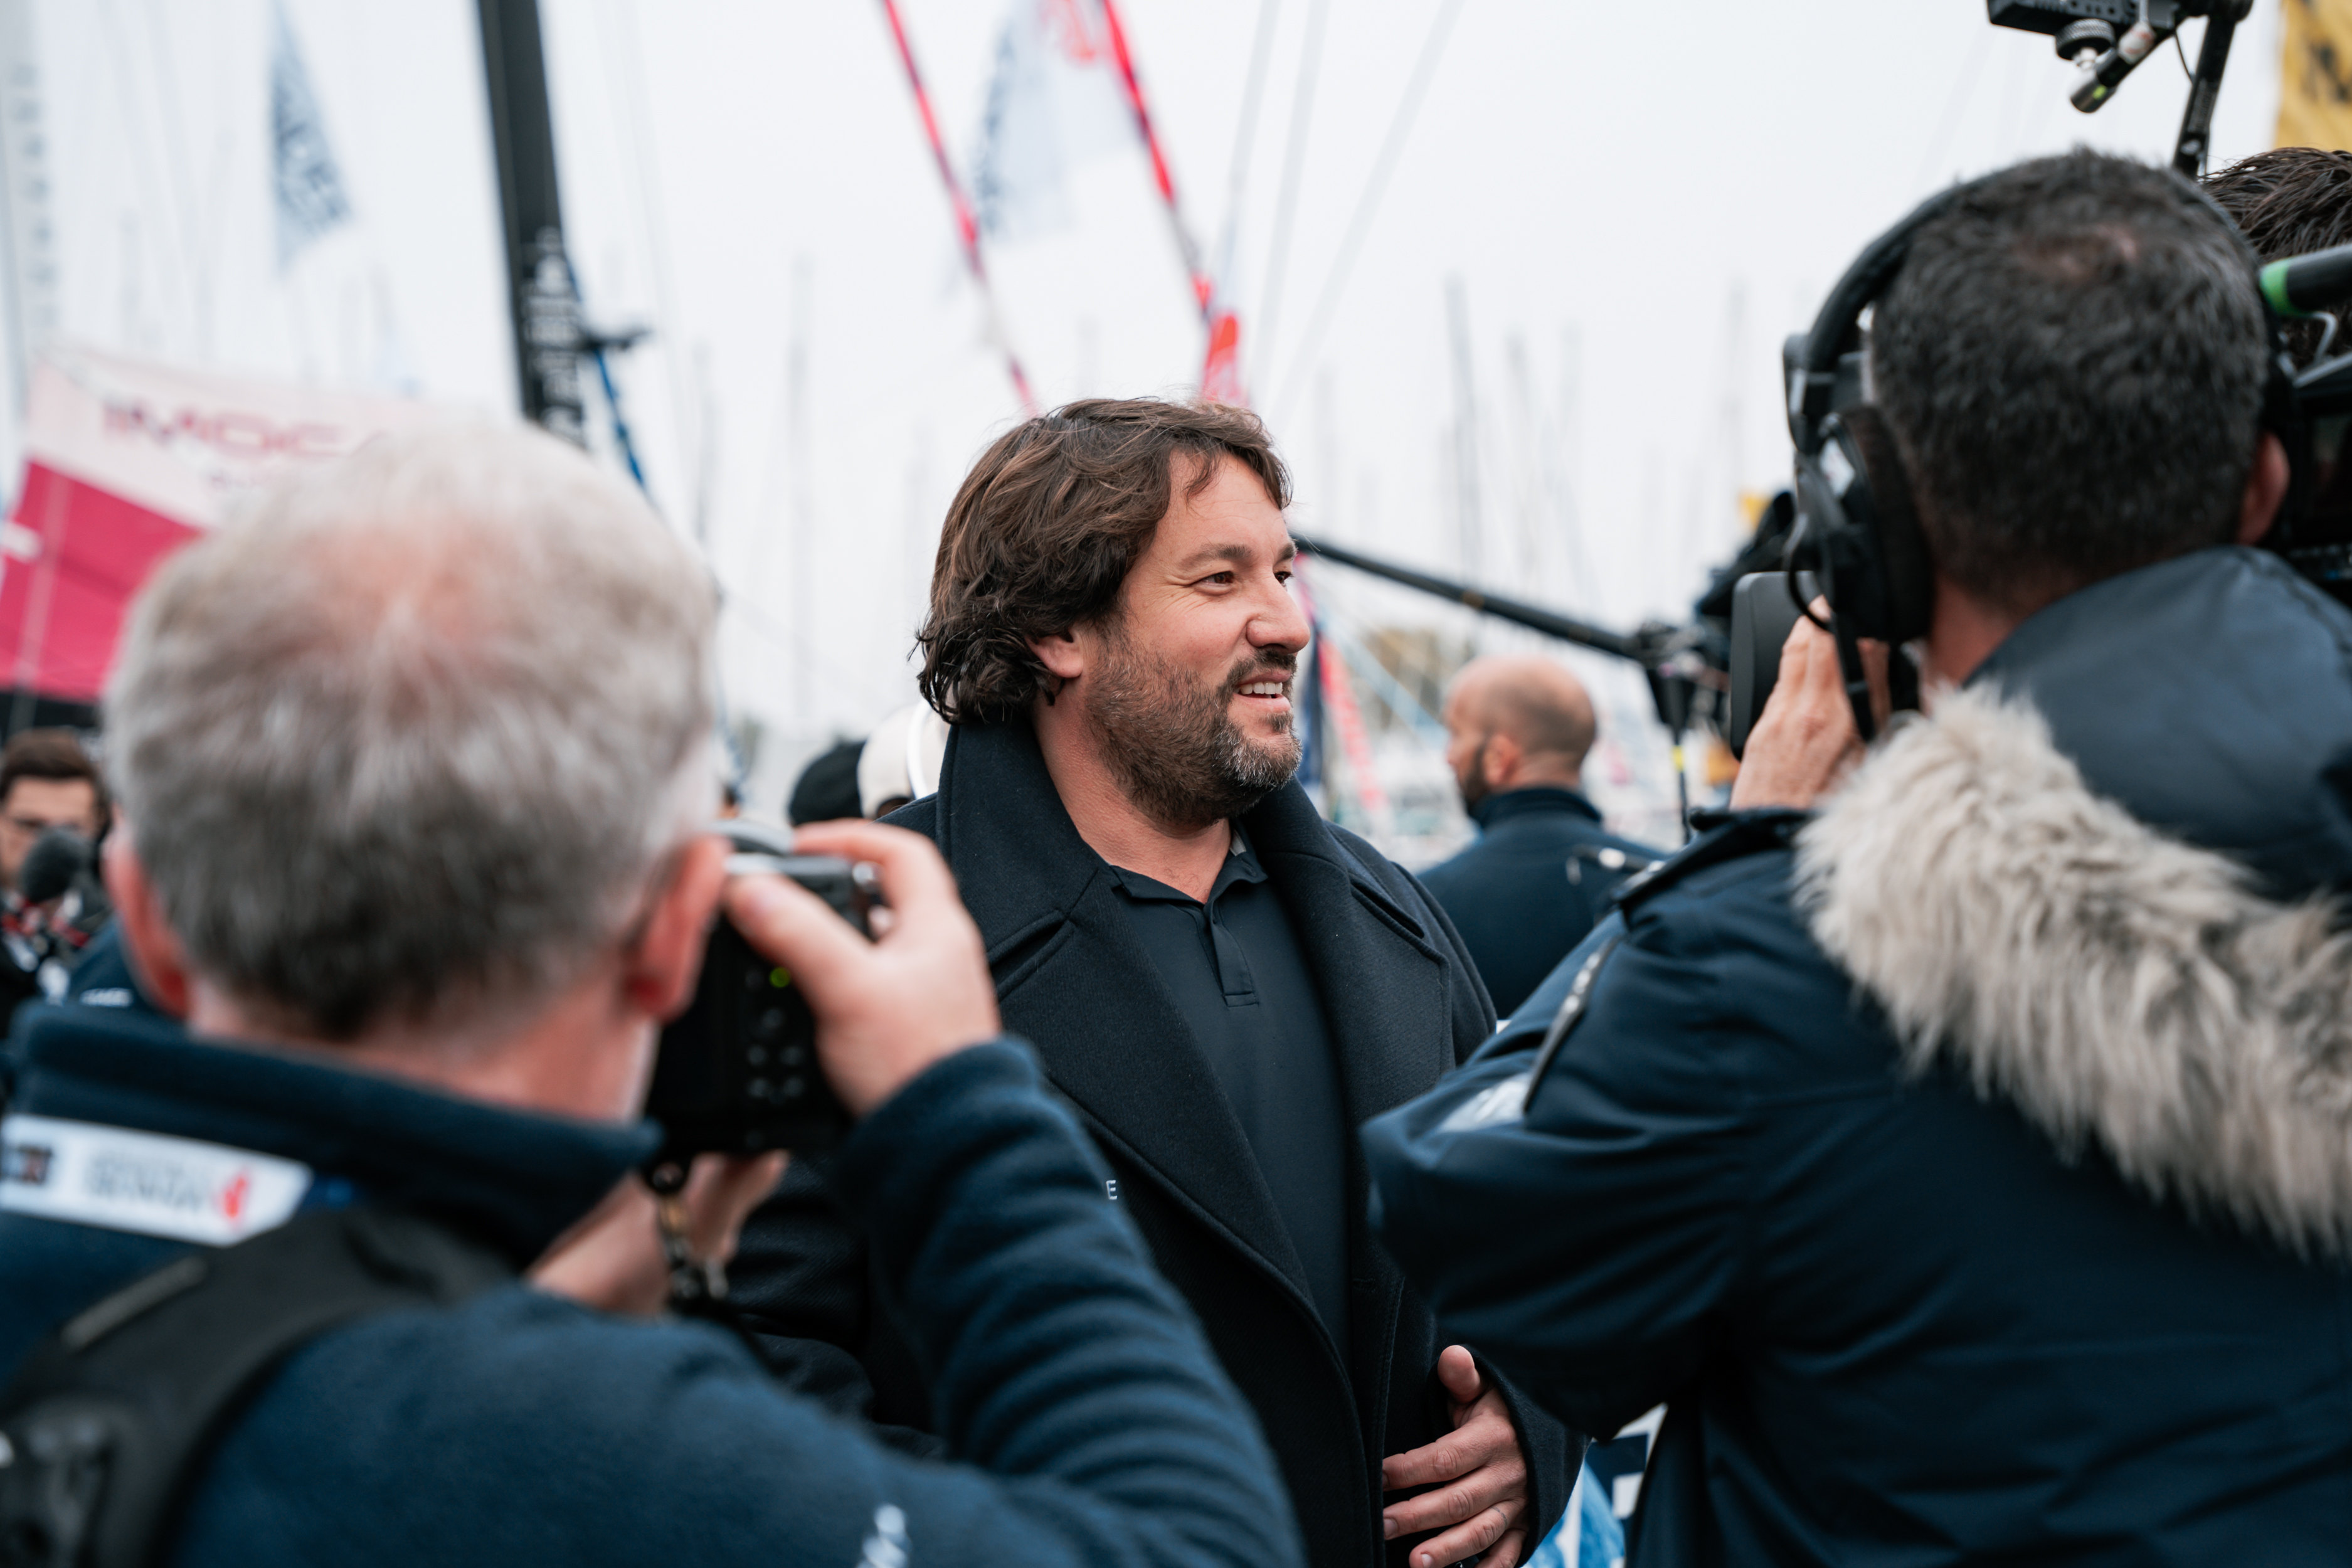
[
  {"x": 801, "y": 1283},
  {"x": 1585, "y": 1245},
  {"x": 1060, "y": 1361},
  {"x": 1095, "y": 1428}
]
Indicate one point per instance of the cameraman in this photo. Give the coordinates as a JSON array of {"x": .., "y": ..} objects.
[
  {"x": 1968, "y": 1168},
  {"x": 413, "y": 765}
]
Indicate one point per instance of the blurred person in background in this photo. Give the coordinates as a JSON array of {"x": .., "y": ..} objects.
[
  {"x": 47, "y": 779},
  {"x": 827, "y": 790},
  {"x": 900, "y": 761},
  {"x": 47, "y": 782},
  {"x": 416, "y": 759},
  {"x": 1542, "y": 869},
  {"x": 1222, "y": 983}
]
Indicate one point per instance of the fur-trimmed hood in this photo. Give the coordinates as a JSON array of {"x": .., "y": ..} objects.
[{"x": 2124, "y": 989}]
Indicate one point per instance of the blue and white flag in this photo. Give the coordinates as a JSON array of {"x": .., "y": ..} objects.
[
  {"x": 1053, "y": 102},
  {"x": 309, "y": 183}
]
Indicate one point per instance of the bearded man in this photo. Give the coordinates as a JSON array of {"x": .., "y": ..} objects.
[{"x": 1222, "y": 983}]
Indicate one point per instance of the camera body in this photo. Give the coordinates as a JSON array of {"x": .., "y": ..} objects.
[{"x": 737, "y": 1072}]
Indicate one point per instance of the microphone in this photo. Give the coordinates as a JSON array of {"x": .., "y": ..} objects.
[
  {"x": 52, "y": 864},
  {"x": 2309, "y": 285}
]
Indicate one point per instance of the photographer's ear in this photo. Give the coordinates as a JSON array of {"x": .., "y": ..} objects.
[
  {"x": 2266, "y": 485},
  {"x": 658, "y": 969},
  {"x": 153, "y": 948}
]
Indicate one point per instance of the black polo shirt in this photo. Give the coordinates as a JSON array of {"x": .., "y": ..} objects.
[{"x": 1245, "y": 988}]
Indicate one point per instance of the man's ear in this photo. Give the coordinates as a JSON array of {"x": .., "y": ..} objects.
[
  {"x": 153, "y": 948},
  {"x": 2265, "y": 491},
  {"x": 1499, "y": 760},
  {"x": 1064, "y": 654},
  {"x": 659, "y": 968}
]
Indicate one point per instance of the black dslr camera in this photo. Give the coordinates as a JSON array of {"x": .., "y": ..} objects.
[{"x": 737, "y": 1072}]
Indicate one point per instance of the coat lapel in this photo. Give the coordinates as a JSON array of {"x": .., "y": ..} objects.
[
  {"x": 1390, "y": 1010},
  {"x": 1075, "y": 982},
  {"x": 1387, "y": 1001}
]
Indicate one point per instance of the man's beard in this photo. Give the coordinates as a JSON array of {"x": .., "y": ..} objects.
[
  {"x": 1473, "y": 785},
  {"x": 1172, "y": 742}
]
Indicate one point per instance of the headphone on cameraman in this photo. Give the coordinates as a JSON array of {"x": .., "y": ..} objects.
[{"x": 1857, "y": 529}]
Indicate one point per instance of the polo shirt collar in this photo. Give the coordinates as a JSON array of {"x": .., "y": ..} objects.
[{"x": 1240, "y": 865}]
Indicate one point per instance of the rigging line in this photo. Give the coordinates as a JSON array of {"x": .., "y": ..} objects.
[
  {"x": 1246, "y": 134},
  {"x": 967, "y": 223},
  {"x": 1294, "y": 162},
  {"x": 1188, "y": 252},
  {"x": 629, "y": 65},
  {"x": 132, "y": 124},
  {"x": 184, "y": 184},
  {"x": 1432, "y": 48},
  {"x": 1963, "y": 93}
]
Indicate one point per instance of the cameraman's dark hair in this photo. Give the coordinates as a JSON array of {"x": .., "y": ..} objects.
[
  {"x": 2072, "y": 360},
  {"x": 51, "y": 754},
  {"x": 1045, "y": 529},
  {"x": 2290, "y": 201}
]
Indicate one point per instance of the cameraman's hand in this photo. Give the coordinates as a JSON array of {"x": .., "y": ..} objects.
[
  {"x": 1804, "y": 742},
  {"x": 614, "y": 1259},
  {"x": 888, "y": 1008}
]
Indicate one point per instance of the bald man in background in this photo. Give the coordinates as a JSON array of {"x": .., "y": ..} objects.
[{"x": 1539, "y": 875}]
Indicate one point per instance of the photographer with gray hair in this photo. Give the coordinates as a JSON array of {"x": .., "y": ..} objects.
[{"x": 415, "y": 768}]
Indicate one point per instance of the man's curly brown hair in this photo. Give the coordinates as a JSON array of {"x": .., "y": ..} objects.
[{"x": 1047, "y": 525}]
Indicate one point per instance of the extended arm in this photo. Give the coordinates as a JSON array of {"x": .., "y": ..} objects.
[{"x": 1584, "y": 1246}]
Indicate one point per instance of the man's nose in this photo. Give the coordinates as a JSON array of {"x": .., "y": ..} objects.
[{"x": 1281, "y": 624}]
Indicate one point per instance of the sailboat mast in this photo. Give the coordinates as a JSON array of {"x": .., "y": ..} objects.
[
  {"x": 542, "y": 295},
  {"x": 30, "y": 272}
]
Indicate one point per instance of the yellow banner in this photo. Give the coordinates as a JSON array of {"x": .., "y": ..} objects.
[{"x": 2316, "y": 88}]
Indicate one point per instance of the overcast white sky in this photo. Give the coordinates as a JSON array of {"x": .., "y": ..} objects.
[{"x": 1643, "y": 199}]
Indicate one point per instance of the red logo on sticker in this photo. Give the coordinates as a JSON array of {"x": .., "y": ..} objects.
[{"x": 232, "y": 1198}]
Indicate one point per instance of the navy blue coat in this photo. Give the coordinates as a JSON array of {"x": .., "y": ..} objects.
[
  {"x": 1539, "y": 877},
  {"x": 1911, "y": 1314},
  {"x": 523, "y": 1428}
]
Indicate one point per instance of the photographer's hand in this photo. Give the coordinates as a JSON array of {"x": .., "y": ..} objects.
[
  {"x": 1804, "y": 742},
  {"x": 614, "y": 1259},
  {"x": 888, "y": 1008}
]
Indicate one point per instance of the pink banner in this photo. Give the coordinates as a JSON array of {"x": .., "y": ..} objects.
[{"x": 125, "y": 461}]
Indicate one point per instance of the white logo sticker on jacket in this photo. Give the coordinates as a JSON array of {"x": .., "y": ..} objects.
[{"x": 87, "y": 1174}]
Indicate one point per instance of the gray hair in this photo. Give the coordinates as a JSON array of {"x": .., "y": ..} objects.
[{"x": 416, "y": 734}]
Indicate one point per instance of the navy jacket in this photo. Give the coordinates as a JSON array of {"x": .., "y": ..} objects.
[
  {"x": 523, "y": 1428},
  {"x": 1539, "y": 877},
  {"x": 1404, "y": 1007},
  {"x": 1948, "y": 1165}
]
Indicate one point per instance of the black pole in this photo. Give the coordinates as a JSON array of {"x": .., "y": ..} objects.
[
  {"x": 1548, "y": 622},
  {"x": 2204, "y": 88},
  {"x": 545, "y": 307}
]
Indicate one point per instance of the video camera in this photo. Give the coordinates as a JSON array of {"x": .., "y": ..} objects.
[{"x": 737, "y": 1071}]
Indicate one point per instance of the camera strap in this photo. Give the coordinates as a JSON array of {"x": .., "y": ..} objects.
[{"x": 105, "y": 1426}]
